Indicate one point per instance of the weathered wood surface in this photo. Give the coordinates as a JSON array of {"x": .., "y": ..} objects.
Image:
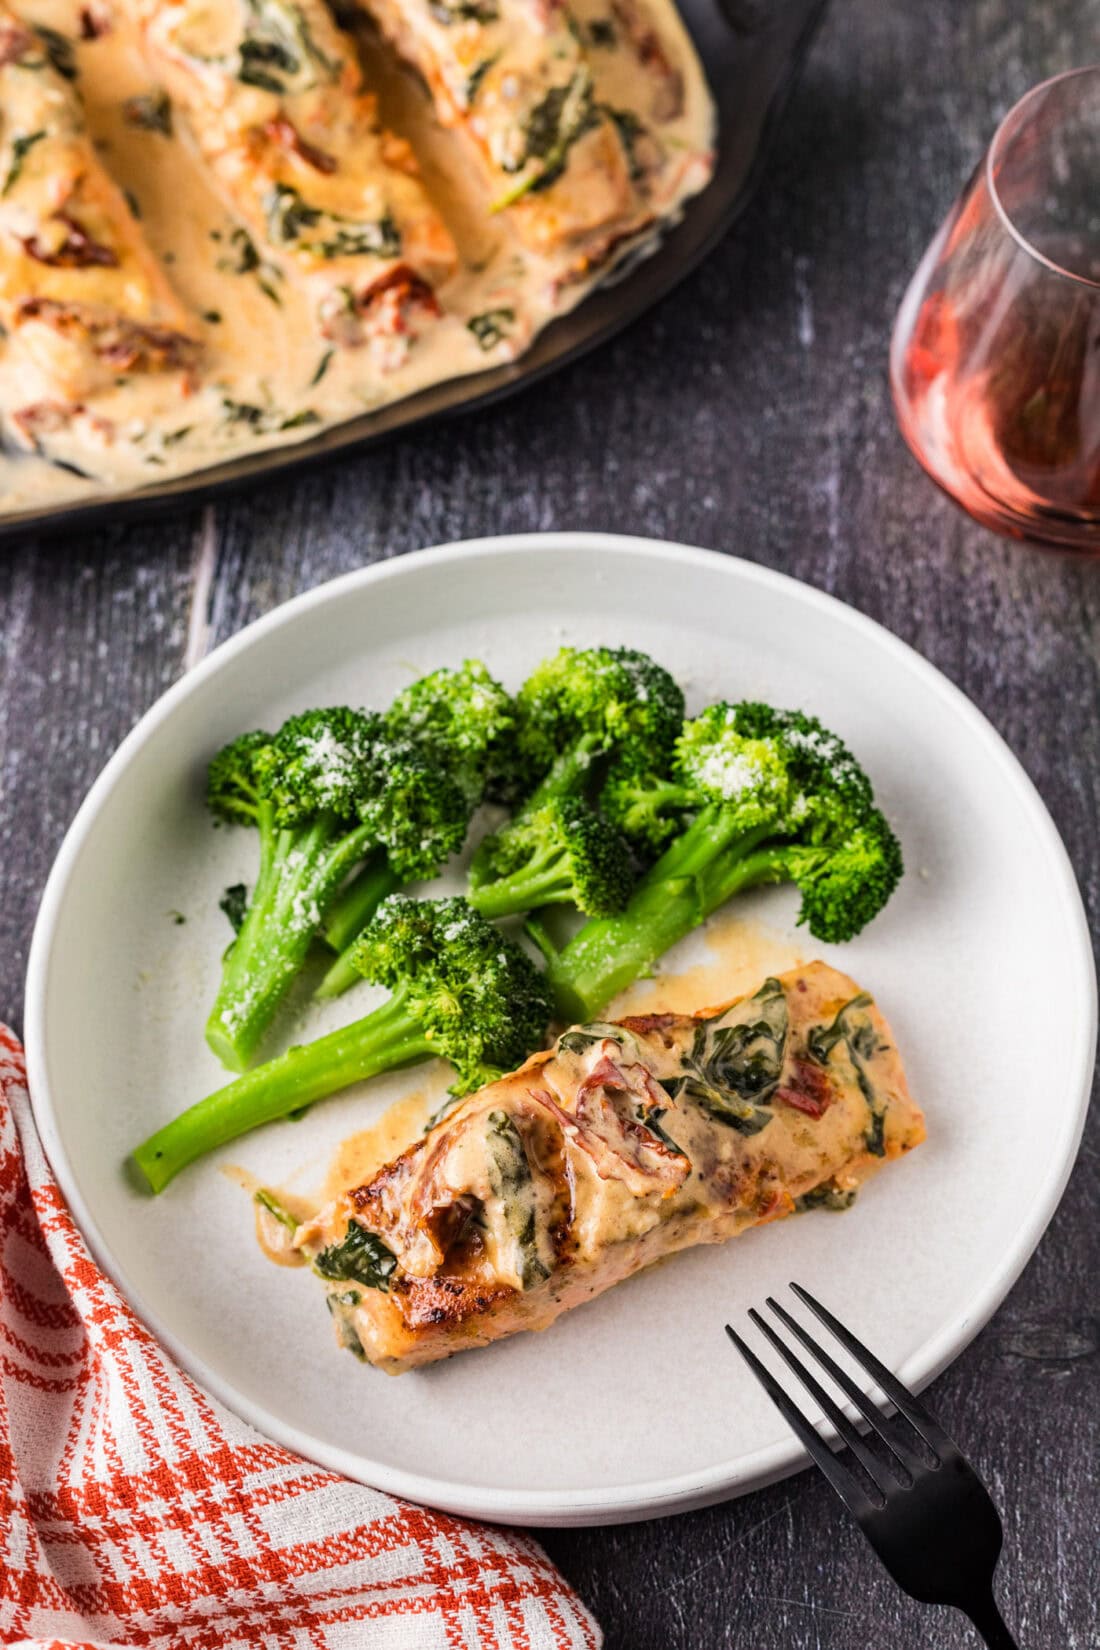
[{"x": 748, "y": 413}]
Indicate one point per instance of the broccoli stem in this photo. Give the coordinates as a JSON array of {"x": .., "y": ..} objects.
[
  {"x": 353, "y": 910},
  {"x": 299, "y": 871},
  {"x": 703, "y": 868},
  {"x": 569, "y": 775},
  {"x": 383, "y": 1040},
  {"x": 356, "y": 904},
  {"x": 544, "y": 880}
]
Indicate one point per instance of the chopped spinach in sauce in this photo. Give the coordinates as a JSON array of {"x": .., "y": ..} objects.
[
  {"x": 562, "y": 116},
  {"x": 265, "y": 420},
  {"x": 826, "y": 1196},
  {"x": 477, "y": 75},
  {"x": 463, "y": 11},
  {"x": 290, "y": 218},
  {"x": 278, "y": 49},
  {"x": 511, "y": 1180},
  {"x": 491, "y": 327},
  {"x": 287, "y": 214},
  {"x": 361, "y": 1257},
  {"x": 854, "y": 1029},
  {"x": 630, "y": 131},
  {"x": 60, "y": 51},
  {"x": 322, "y": 367},
  {"x": 578, "y": 1039},
  {"x": 149, "y": 112},
  {"x": 732, "y": 1071},
  {"x": 21, "y": 147}
]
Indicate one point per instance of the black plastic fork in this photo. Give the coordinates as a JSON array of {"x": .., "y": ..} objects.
[{"x": 927, "y": 1514}]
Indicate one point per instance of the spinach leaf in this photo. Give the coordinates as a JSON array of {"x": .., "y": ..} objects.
[
  {"x": 378, "y": 239},
  {"x": 579, "y": 1038},
  {"x": 463, "y": 11},
  {"x": 551, "y": 129},
  {"x": 322, "y": 367},
  {"x": 733, "y": 1070},
  {"x": 20, "y": 148},
  {"x": 287, "y": 214},
  {"x": 338, "y": 1304},
  {"x": 856, "y": 1031},
  {"x": 361, "y": 1257},
  {"x": 59, "y": 50},
  {"x": 277, "y": 47},
  {"x": 826, "y": 1196},
  {"x": 848, "y": 1027},
  {"x": 150, "y": 112},
  {"x": 510, "y": 1178},
  {"x": 491, "y": 326},
  {"x": 477, "y": 75},
  {"x": 234, "y": 902},
  {"x": 629, "y": 129}
]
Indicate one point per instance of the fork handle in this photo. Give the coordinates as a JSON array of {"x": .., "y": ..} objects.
[{"x": 986, "y": 1617}]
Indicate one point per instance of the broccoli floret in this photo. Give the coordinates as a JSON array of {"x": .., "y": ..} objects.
[
  {"x": 584, "y": 704},
  {"x": 754, "y": 796},
  {"x": 479, "y": 999},
  {"x": 232, "y": 781},
  {"x": 645, "y": 806},
  {"x": 449, "y": 735},
  {"x": 460, "y": 989},
  {"x": 585, "y": 717},
  {"x": 315, "y": 764},
  {"x": 464, "y": 719},
  {"x": 563, "y": 853},
  {"x": 844, "y": 884},
  {"x": 415, "y": 807},
  {"x": 330, "y": 788}
]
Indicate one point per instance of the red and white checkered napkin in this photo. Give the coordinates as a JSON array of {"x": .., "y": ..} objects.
[{"x": 134, "y": 1510}]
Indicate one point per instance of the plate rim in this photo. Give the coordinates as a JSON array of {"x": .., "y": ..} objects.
[{"x": 646, "y": 1499}]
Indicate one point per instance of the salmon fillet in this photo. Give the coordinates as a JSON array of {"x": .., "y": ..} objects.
[
  {"x": 82, "y": 298},
  {"x": 273, "y": 94},
  {"x": 624, "y": 1143},
  {"x": 513, "y": 76}
]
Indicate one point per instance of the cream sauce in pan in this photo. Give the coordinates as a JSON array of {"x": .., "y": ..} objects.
[{"x": 268, "y": 377}]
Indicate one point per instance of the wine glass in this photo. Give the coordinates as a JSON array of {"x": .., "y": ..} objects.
[{"x": 995, "y": 359}]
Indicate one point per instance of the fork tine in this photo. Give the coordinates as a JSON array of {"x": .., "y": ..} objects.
[
  {"x": 849, "y": 1491},
  {"x": 866, "y": 1406},
  {"x": 899, "y": 1395},
  {"x": 876, "y": 1469}
]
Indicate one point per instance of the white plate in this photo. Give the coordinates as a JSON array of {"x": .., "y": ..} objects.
[{"x": 633, "y": 1405}]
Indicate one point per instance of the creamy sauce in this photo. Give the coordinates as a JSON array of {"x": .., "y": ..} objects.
[
  {"x": 264, "y": 353},
  {"x": 742, "y": 954},
  {"x": 274, "y": 1237},
  {"x": 359, "y": 1157}
]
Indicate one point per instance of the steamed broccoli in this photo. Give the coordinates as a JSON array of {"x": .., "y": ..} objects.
[
  {"x": 755, "y": 796},
  {"x": 586, "y": 706},
  {"x": 466, "y": 720},
  {"x": 584, "y": 716},
  {"x": 327, "y": 789},
  {"x": 562, "y": 853},
  {"x": 463, "y": 723},
  {"x": 460, "y": 990}
]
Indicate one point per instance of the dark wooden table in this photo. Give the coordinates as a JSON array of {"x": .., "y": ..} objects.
[{"x": 749, "y": 413}]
